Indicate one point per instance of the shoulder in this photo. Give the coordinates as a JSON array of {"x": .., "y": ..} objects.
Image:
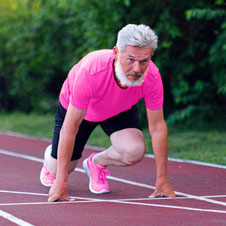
[
  {"x": 152, "y": 77},
  {"x": 153, "y": 71},
  {"x": 97, "y": 61}
]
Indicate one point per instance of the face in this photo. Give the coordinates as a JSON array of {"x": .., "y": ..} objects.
[{"x": 131, "y": 65}]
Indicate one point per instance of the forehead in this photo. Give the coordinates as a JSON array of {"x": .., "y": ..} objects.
[{"x": 136, "y": 52}]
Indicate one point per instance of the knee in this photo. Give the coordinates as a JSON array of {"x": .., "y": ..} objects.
[{"x": 134, "y": 153}]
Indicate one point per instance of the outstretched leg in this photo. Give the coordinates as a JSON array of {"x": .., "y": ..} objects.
[{"x": 49, "y": 169}]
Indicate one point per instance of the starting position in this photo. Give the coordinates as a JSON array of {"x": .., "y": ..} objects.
[{"x": 103, "y": 89}]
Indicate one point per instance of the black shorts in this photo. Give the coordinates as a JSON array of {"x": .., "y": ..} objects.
[{"x": 126, "y": 119}]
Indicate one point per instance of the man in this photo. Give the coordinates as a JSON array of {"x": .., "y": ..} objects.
[{"x": 103, "y": 89}]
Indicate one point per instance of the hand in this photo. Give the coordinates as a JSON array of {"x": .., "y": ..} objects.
[
  {"x": 163, "y": 188},
  {"x": 59, "y": 191}
]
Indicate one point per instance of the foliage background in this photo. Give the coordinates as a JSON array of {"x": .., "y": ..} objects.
[{"x": 40, "y": 40}]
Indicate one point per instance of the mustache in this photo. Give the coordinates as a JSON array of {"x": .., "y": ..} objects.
[{"x": 134, "y": 73}]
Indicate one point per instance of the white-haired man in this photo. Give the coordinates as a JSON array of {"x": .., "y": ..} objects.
[{"x": 103, "y": 89}]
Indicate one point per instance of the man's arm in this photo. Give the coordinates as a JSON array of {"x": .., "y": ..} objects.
[
  {"x": 68, "y": 133},
  {"x": 158, "y": 132}
]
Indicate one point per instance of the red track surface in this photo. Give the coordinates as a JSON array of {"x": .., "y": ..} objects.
[{"x": 201, "y": 192}]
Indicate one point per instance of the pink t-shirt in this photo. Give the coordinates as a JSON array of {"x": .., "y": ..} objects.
[{"x": 91, "y": 86}]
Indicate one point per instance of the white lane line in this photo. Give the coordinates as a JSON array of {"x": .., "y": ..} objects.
[
  {"x": 92, "y": 200},
  {"x": 14, "y": 154},
  {"x": 23, "y": 193},
  {"x": 116, "y": 201},
  {"x": 14, "y": 219},
  {"x": 44, "y": 194},
  {"x": 117, "y": 179},
  {"x": 97, "y": 148},
  {"x": 215, "y": 196},
  {"x": 202, "y": 198},
  {"x": 172, "y": 207},
  {"x": 190, "y": 161},
  {"x": 49, "y": 203},
  {"x": 171, "y": 198},
  {"x": 128, "y": 199},
  {"x": 84, "y": 198},
  {"x": 176, "y": 192}
]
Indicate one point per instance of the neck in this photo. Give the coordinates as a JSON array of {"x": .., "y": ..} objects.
[
  {"x": 116, "y": 78},
  {"x": 119, "y": 84}
]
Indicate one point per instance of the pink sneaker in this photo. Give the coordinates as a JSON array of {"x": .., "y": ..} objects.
[
  {"x": 46, "y": 178},
  {"x": 97, "y": 176}
]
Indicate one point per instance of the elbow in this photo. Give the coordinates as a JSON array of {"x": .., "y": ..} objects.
[{"x": 158, "y": 128}]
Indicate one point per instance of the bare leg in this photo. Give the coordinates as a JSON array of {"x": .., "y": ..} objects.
[
  {"x": 127, "y": 148},
  {"x": 51, "y": 163}
]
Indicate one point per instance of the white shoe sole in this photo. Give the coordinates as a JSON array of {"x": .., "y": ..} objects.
[
  {"x": 42, "y": 182},
  {"x": 46, "y": 153},
  {"x": 85, "y": 167}
]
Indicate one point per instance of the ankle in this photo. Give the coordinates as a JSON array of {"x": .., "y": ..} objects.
[{"x": 95, "y": 159}]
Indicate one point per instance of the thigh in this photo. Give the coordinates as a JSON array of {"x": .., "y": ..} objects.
[
  {"x": 128, "y": 146},
  {"x": 126, "y": 136},
  {"x": 128, "y": 141},
  {"x": 124, "y": 120}
]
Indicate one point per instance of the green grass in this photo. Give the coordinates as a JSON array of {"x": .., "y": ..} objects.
[
  {"x": 32, "y": 124},
  {"x": 204, "y": 143}
]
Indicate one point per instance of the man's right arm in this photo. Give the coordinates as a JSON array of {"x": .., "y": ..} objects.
[{"x": 68, "y": 133}]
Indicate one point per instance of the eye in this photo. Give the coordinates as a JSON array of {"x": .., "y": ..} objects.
[
  {"x": 143, "y": 62},
  {"x": 130, "y": 60}
]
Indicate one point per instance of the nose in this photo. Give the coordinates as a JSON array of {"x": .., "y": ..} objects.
[{"x": 137, "y": 67}]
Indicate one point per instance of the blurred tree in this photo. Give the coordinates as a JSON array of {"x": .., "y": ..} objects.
[
  {"x": 41, "y": 41},
  {"x": 199, "y": 91}
]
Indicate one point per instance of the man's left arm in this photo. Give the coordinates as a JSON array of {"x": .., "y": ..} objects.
[{"x": 158, "y": 132}]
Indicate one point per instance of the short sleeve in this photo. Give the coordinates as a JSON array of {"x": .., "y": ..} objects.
[
  {"x": 81, "y": 89},
  {"x": 153, "y": 92}
]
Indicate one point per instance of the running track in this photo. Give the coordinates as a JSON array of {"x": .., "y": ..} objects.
[{"x": 200, "y": 189}]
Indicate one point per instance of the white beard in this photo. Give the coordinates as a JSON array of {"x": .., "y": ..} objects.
[{"x": 124, "y": 81}]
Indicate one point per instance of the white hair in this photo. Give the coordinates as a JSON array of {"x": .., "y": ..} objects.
[{"x": 137, "y": 35}]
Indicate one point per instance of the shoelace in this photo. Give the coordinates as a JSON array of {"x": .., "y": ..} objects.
[{"x": 102, "y": 175}]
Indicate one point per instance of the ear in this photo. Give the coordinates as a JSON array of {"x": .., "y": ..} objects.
[{"x": 115, "y": 53}]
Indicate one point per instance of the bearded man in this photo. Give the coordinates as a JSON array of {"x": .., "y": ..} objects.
[{"x": 103, "y": 89}]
